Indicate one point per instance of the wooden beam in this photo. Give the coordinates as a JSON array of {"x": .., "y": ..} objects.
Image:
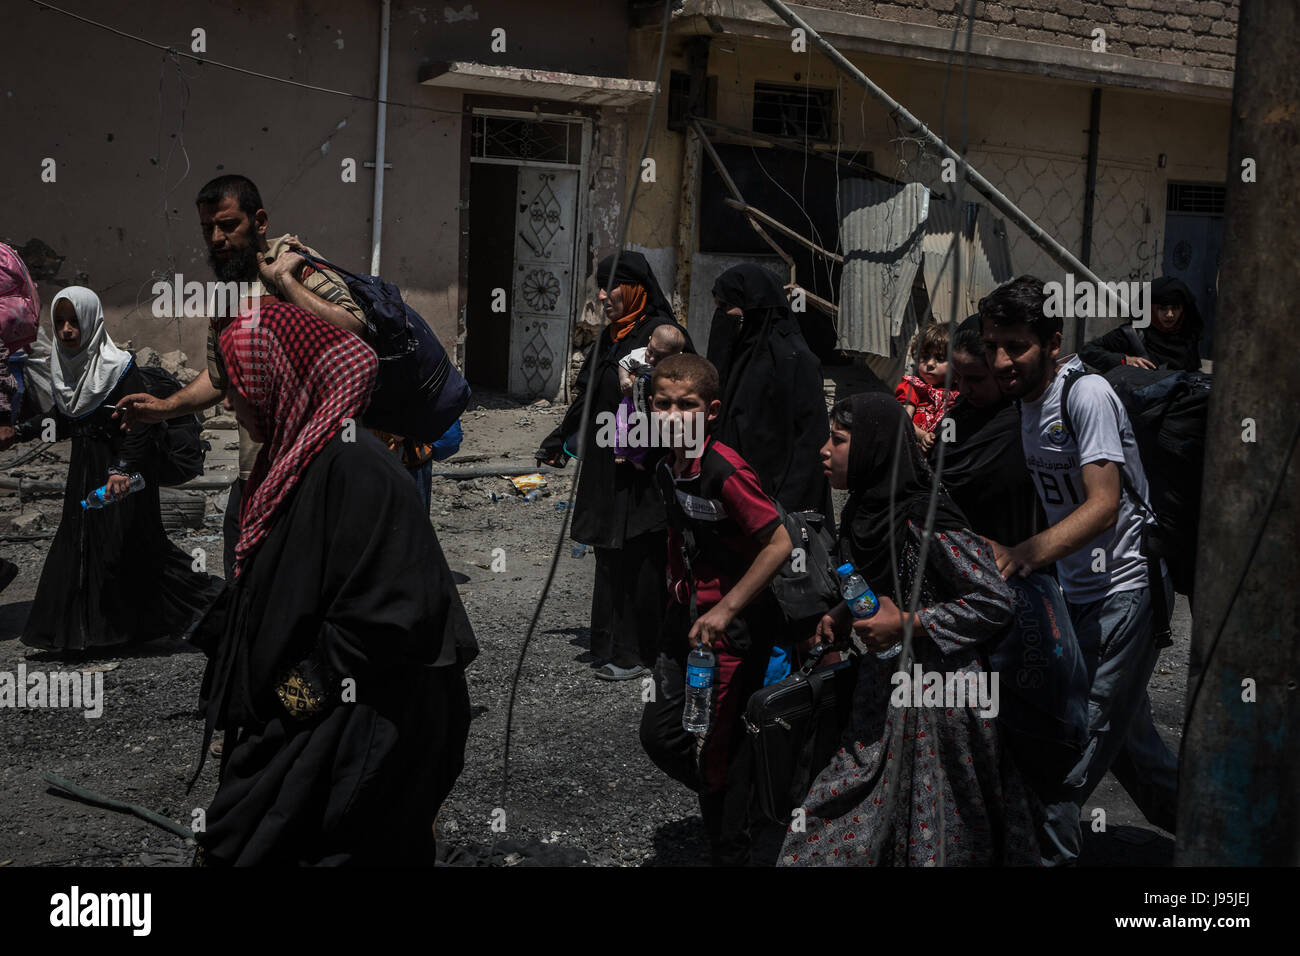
[{"x": 767, "y": 220}]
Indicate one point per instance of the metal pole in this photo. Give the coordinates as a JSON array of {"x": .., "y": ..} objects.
[
  {"x": 1089, "y": 199},
  {"x": 1058, "y": 252},
  {"x": 381, "y": 135},
  {"x": 1239, "y": 775}
]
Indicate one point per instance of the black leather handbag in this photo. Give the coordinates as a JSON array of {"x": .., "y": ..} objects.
[{"x": 794, "y": 727}]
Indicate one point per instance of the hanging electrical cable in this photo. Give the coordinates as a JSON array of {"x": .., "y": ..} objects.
[{"x": 592, "y": 356}]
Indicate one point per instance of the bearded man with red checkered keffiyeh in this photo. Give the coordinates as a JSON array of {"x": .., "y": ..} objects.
[{"x": 336, "y": 659}]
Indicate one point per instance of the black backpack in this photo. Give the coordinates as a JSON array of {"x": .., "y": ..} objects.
[
  {"x": 805, "y": 586},
  {"x": 419, "y": 393},
  {"x": 181, "y": 449}
]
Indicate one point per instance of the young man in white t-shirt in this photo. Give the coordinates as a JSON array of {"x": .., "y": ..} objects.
[{"x": 1087, "y": 480}]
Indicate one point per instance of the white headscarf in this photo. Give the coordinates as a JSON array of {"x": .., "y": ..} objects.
[{"x": 82, "y": 381}]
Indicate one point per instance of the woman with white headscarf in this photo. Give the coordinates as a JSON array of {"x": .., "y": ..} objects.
[{"x": 112, "y": 575}]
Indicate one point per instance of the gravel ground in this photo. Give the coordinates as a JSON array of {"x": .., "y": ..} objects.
[{"x": 581, "y": 788}]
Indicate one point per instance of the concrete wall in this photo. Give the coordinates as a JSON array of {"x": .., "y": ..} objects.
[
  {"x": 131, "y": 158},
  {"x": 655, "y": 214}
]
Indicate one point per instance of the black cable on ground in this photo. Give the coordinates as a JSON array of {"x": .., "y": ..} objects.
[
  {"x": 595, "y": 362},
  {"x": 100, "y": 800}
]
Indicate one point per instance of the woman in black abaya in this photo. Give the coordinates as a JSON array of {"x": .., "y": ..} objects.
[
  {"x": 336, "y": 661},
  {"x": 111, "y": 576},
  {"x": 1172, "y": 340},
  {"x": 773, "y": 400},
  {"x": 618, "y": 511}
]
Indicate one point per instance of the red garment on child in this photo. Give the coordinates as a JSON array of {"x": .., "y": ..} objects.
[{"x": 931, "y": 402}]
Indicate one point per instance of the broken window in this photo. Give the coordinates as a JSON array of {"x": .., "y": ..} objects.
[
  {"x": 679, "y": 99},
  {"x": 794, "y": 111}
]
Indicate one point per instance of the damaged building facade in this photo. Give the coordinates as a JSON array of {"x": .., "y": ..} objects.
[
  {"x": 1112, "y": 141},
  {"x": 503, "y": 141},
  {"x": 510, "y": 145}
]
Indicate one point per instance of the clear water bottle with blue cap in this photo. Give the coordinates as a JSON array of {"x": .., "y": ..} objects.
[
  {"x": 699, "y": 690},
  {"x": 100, "y": 498},
  {"x": 862, "y": 602}
]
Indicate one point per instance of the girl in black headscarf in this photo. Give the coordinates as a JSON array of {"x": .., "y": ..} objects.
[
  {"x": 912, "y": 785},
  {"x": 773, "y": 402},
  {"x": 1171, "y": 341},
  {"x": 618, "y": 511}
]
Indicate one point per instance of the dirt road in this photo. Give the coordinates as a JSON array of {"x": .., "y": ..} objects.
[{"x": 581, "y": 788}]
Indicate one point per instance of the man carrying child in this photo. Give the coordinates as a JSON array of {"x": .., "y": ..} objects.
[{"x": 725, "y": 543}]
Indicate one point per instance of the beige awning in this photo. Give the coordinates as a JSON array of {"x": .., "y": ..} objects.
[{"x": 541, "y": 84}]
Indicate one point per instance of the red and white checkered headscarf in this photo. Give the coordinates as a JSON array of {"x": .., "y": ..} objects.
[{"x": 302, "y": 377}]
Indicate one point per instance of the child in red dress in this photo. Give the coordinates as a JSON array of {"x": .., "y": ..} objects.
[{"x": 923, "y": 394}]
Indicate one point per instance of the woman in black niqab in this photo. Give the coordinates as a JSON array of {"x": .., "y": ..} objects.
[{"x": 773, "y": 401}]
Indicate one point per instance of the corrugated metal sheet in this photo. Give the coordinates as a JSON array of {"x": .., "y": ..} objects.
[
  {"x": 894, "y": 236},
  {"x": 942, "y": 228},
  {"x": 880, "y": 231},
  {"x": 993, "y": 254},
  {"x": 986, "y": 257}
]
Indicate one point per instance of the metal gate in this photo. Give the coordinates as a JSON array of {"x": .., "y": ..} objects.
[{"x": 542, "y": 299}]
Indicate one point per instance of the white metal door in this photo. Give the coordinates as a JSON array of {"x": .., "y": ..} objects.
[{"x": 542, "y": 303}]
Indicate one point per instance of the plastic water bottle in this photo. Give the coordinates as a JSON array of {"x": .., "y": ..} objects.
[
  {"x": 862, "y": 602},
  {"x": 100, "y": 498},
  {"x": 579, "y": 549},
  {"x": 699, "y": 690}
]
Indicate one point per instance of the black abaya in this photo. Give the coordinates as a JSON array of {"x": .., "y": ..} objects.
[
  {"x": 112, "y": 575},
  {"x": 617, "y": 509},
  {"x": 985, "y": 473},
  {"x": 773, "y": 399},
  {"x": 337, "y": 669},
  {"x": 1180, "y": 349},
  {"x": 614, "y": 501}
]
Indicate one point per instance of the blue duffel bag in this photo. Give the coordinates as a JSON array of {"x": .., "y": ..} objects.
[{"x": 419, "y": 393}]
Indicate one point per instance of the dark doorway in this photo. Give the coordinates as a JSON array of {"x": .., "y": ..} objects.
[
  {"x": 1193, "y": 242},
  {"x": 491, "y": 265}
]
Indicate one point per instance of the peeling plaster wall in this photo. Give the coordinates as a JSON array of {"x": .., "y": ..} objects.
[
  {"x": 607, "y": 179},
  {"x": 120, "y": 163},
  {"x": 654, "y": 221}
]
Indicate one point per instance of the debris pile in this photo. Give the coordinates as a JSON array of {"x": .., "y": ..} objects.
[{"x": 176, "y": 362}]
